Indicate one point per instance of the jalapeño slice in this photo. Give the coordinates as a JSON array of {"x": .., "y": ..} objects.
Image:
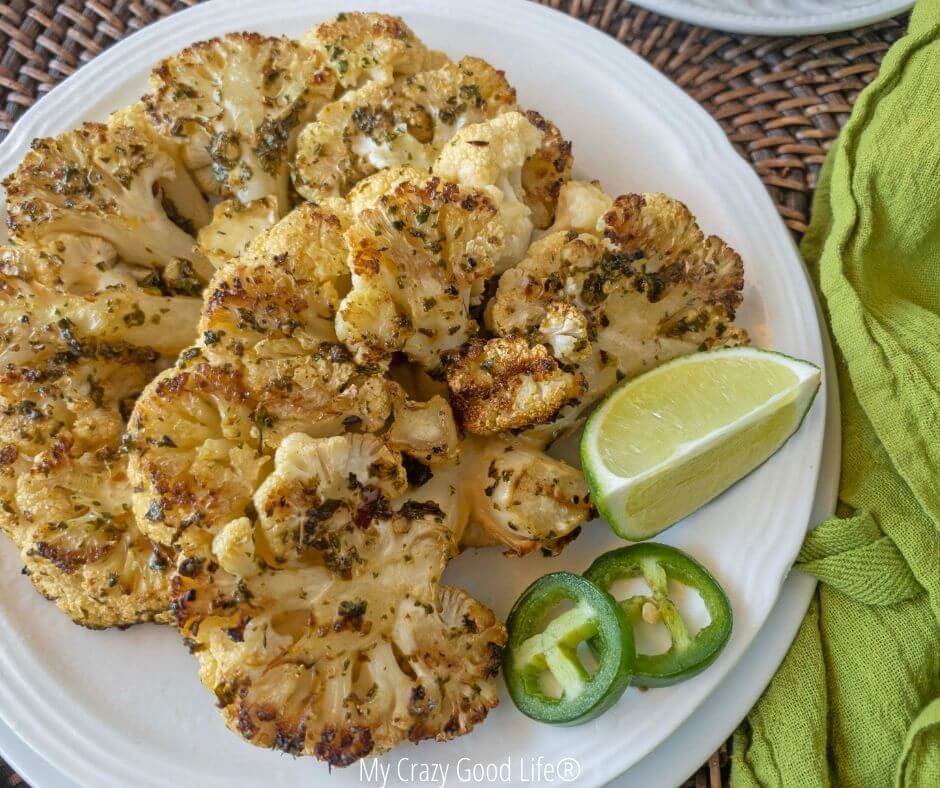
[
  {"x": 657, "y": 563},
  {"x": 537, "y": 646}
]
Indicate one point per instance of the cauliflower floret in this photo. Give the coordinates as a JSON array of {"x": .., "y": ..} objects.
[
  {"x": 644, "y": 287},
  {"x": 235, "y": 104},
  {"x": 370, "y": 47},
  {"x": 505, "y": 384},
  {"x": 70, "y": 368},
  {"x": 343, "y": 643},
  {"x": 114, "y": 182},
  {"x": 416, "y": 255},
  {"x": 491, "y": 156},
  {"x": 368, "y": 191},
  {"x": 581, "y": 206},
  {"x": 519, "y": 497},
  {"x": 234, "y": 224},
  {"x": 195, "y": 455},
  {"x": 405, "y": 123}
]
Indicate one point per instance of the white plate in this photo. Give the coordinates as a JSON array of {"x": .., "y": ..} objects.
[
  {"x": 125, "y": 708},
  {"x": 779, "y": 17},
  {"x": 700, "y": 734}
]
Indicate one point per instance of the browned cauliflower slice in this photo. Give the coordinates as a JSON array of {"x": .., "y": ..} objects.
[
  {"x": 234, "y": 225},
  {"x": 267, "y": 364},
  {"x": 112, "y": 181},
  {"x": 404, "y": 123},
  {"x": 319, "y": 620},
  {"x": 506, "y": 384},
  {"x": 645, "y": 287},
  {"x": 70, "y": 368},
  {"x": 546, "y": 172},
  {"x": 519, "y": 497},
  {"x": 235, "y": 104},
  {"x": 416, "y": 256},
  {"x": 370, "y": 47}
]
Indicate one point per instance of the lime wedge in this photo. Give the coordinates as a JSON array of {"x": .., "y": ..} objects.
[{"x": 667, "y": 442}]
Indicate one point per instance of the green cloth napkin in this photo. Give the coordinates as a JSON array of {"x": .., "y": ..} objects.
[{"x": 856, "y": 702}]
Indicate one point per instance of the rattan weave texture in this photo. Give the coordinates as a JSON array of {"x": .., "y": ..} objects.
[{"x": 780, "y": 100}]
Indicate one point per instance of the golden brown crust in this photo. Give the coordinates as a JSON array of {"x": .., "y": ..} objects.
[
  {"x": 645, "y": 287},
  {"x": 66, "y": 386},
  {"x": 416, "y": 256},
  {"x": 546, "y": 172},
  {"x": 369, "y": 46},
  {"x": 507, "y": 384}
]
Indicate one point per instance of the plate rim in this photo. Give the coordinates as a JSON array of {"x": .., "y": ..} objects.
[
  {"x": 777, "y": 24},
  {"x": 708, "y": 132}
]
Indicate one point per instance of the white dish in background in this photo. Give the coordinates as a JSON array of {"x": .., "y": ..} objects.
[
  {"x": 779, "y": 17},
  {"x": 119, "y": 708}
]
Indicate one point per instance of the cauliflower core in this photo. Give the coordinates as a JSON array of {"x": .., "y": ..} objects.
[
  {"x": 234, "y": 225},
  {"x": 320, "y": 623},
  {"x": 640, "y": 289},
  {"x": 70, "y": 368}
]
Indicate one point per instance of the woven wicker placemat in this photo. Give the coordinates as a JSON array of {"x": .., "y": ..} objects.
[{"x": 781, "y": 101}]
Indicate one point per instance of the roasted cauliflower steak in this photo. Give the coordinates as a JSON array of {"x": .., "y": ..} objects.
[
  {"x": 314, "y": 509},
  {"x": 411, "y": 122},
  {"x": 267, "y": 363},
  {"x": 643, "y": 287},
  {"x": 320, "y": 624},
  {"x": 115, "y": 182},
  {"x": 70, "y": 368},
  {"x": 235, "y": 105}
]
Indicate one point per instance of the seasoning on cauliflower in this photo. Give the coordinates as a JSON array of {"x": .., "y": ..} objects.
[
  {"x": 319, "y": 620},
  {"x": 114, "y": 182},
  {"x": 236, "y": 104},
  {"x": 70, "y": 368},
  {"x": 519, "y": 497},
  {"x": 370, "y": 47},
  {"x": 546, "y": 172},
  {"x": 506, "y": 384},
  {"x": 404, "y": 123},
  {"x": 645, "y": 287},
  {"x": 77, "y": 264},
  {"x": 491, "y": 156},
  {"x": 267, "y": 364},
  {"x": 234, "y": 224},
  {"x": 416, "y": 256}
]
